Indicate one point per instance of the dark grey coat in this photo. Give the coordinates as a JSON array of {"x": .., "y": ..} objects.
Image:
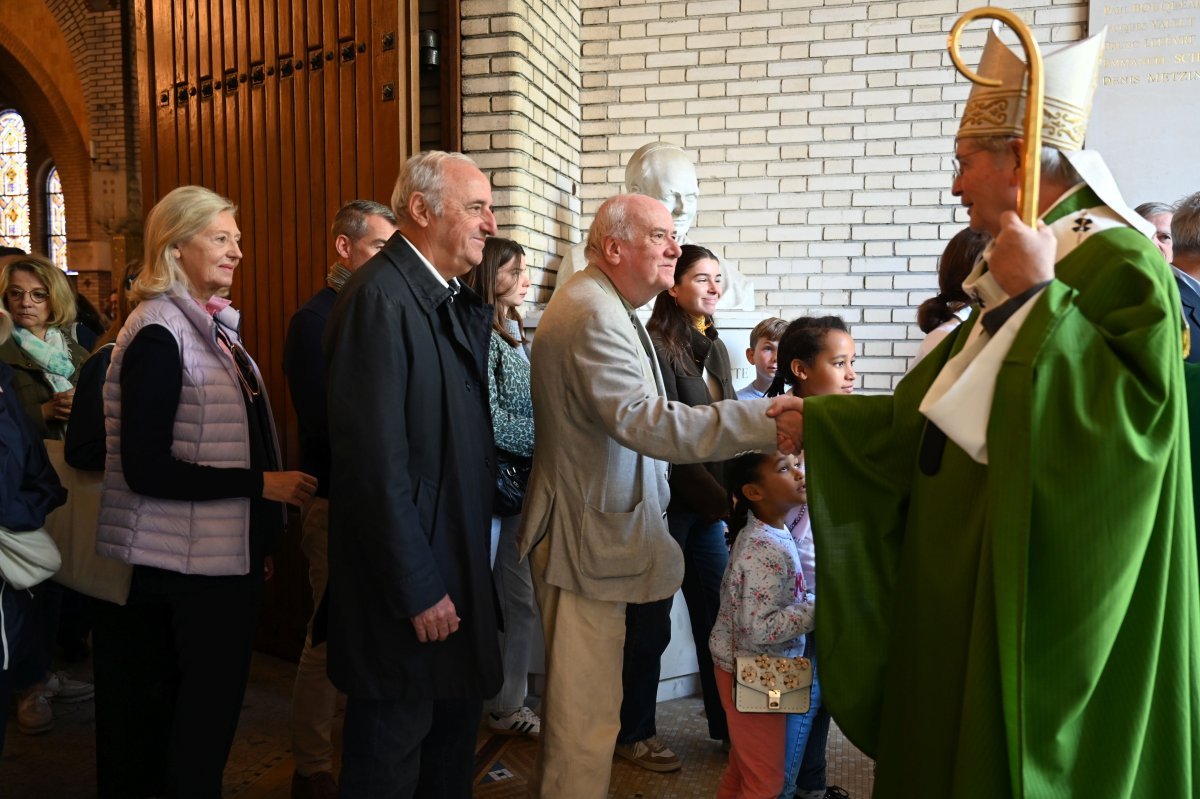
[{"x": 411, "y": 483}]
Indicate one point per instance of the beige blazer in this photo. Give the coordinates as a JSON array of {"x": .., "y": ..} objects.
[{"x": 605, "y": 434}]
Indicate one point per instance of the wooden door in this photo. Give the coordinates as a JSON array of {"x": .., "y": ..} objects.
[{"x": 290, "y": 108}]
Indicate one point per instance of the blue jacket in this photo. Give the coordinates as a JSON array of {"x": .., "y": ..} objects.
[
  {"x": 1190, "y": 301},
  {"x": 29, "y": 486},
  {"x": 305, "y": 369}
]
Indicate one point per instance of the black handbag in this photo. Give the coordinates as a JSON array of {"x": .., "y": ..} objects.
[{"x": 512, "y": 476}]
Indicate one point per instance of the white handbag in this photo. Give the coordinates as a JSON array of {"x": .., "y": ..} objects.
[
  {"x": 28, "y": 558},
  {"x": 765, "y": 684}
]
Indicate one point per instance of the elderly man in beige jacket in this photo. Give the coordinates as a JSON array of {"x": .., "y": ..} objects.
[{"x": 593, "y": 523}]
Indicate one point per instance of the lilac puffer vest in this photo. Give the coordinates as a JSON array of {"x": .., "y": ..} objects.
[{"x": 208, "y": 537}]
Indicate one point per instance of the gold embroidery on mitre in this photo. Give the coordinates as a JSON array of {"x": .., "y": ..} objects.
[
  {"x": 1063, "y": 127},
  {"x": 1071, "y": 76},
  {"x": 993, "y": 112}
]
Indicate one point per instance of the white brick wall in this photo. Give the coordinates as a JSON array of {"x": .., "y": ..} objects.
[
  {"x": 822, "y": 131},
  {"x": 522, "y": 90}
]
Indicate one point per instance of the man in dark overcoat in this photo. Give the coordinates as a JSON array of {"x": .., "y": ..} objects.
[{"x": 412, "y": 622}]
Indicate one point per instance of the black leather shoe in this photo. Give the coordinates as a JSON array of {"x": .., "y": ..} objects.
[{"x": 321, "y": 785}]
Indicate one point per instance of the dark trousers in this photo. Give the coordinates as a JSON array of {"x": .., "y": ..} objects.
[
  {"x": 171, "y": 669},
  {"x": 74, "y": 623},
  {"x": 44, "y": 606},
  {"x": 397, "y": 749},
  {"x": 20, "y": 640},
  {"x": 648, "y": 631}
]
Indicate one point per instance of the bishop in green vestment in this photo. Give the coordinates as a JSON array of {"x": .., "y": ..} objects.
[{"x": 1006, "y": 546}]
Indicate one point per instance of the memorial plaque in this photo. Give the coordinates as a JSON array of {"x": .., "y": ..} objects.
[{"x": 1147, "y": 106}]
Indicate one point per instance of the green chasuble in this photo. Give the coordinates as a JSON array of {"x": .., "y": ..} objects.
[{"x": 1030, "y": 627}]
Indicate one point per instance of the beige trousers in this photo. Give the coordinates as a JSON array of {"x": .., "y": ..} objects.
[{"x": 581, "y": 711}]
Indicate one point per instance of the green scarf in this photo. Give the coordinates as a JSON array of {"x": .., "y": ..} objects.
[{"x": 50, "y": 355}]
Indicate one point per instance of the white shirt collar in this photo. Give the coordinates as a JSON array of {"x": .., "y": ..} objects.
[
  {"x": 437, "y": 275},
  {"x": 1185, "y": 277}
]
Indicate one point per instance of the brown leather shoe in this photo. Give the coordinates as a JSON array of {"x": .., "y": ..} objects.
[{"x": 320, "y": 785}]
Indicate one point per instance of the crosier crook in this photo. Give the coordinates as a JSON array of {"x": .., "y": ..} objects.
[{"x": 1027, "y": 194}]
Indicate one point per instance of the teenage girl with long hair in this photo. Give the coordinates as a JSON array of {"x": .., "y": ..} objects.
[
  {"x": 696, "y": 371},
  {"x": 502, "y": 280}
]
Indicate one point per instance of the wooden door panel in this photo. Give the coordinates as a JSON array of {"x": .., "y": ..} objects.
[
  {"x": 288, "y": 147},
  {"x": 345, "y": 52},
  {"x": 315, "y": 123},
  {"x": 255, "y": 288}
]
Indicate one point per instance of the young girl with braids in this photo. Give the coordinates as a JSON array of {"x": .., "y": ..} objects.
[
  {"x": 816, "y": 356},
  {"x": 766, "y": 608}
]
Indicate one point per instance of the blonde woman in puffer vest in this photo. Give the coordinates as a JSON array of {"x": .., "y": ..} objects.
[{"x": 192, "y": 500}]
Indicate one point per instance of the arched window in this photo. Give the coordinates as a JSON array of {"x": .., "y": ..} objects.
[
  {"x": 56, "y": 218},
  {"x": 14, "y": 182}
]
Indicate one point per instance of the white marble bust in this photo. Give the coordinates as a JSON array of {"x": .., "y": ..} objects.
[{"x": 666, "y": 173}]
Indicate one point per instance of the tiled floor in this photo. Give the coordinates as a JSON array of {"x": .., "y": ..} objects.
[{"x": 61, "y": 764}]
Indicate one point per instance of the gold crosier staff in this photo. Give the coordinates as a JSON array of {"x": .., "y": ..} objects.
[{"x": 1027, "y": 194}]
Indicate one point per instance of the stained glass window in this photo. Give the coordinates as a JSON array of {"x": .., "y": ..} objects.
[
  {"x": 14, "y": 182},
  {"x": 56, "y": 216}
]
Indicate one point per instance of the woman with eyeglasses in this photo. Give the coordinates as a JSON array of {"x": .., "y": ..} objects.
[
  {"x": 192, "y": 499},
  {"x": 42, "y": 350}
]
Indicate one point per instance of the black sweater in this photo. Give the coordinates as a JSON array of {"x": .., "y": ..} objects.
[{"x": 151, "y": 383}]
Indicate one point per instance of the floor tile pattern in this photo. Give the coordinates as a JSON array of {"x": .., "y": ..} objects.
[{"x": 61, "y": 764}]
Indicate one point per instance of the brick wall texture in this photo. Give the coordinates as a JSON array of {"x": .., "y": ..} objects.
[
  {"x": 94, "y": 36},
  {"x": 822, "y": 131},
  {"x": 95, "y": 41},
  {"x": 521, "y": 118}
]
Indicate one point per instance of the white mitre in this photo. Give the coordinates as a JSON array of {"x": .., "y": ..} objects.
[
  {"x": 959, "y": 401},
  {"x": 1071, "y": 76}
]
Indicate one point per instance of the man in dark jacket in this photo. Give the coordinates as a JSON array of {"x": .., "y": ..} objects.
[
  {"x": 1185, "y": 261},
  {"x": 360, "y": 229},
  {"x": 412, "y": 623}
]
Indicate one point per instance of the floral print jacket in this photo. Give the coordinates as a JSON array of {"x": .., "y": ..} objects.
[
  {"x": 765, "y": 605},
  {"x": 509, "y": 397}
]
